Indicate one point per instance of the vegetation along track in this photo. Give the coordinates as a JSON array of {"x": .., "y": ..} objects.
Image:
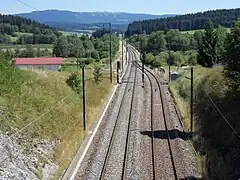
[{"x": 153, "y": 79}]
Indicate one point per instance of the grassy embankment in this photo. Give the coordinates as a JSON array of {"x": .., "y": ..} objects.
[
  {"x": 26, "y": 95},
  {"x": 215, "y": 142}
]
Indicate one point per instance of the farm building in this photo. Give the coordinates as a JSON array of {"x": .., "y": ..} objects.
[{"x": 44, "y": 63}]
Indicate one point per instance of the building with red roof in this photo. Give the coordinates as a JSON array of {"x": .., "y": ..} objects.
[{"x": 44, "y": 63}]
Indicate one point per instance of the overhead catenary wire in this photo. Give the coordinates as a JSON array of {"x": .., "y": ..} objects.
[
  {"x": 225, "y": 119},
  {"x": 26, "y": 4},
  {"x": 36, "y": 119}
]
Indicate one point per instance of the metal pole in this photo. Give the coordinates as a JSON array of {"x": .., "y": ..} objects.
[
  {"x": 77, "y": 62},
  {"x": 84, "y": 101},
  {"x": 122, "y": 51},
  {"x": 143, "y": 73},
  {"x": 126, "y": 53},
  {"x": 169, "y": 65},
  {"x": 143, "y": 60},
  {"x": 110, "y": 26},
  {"x": 191, "y": 99},
  {"x": 169, "y": 69},
  {"x": 118, "y": 67}
]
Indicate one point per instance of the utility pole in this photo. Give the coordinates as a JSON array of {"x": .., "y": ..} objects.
[
  {"x": 83, "y": 96},
  {"x": 169, "y": 63},
  {"x": 118, "y": 68},
  {"x": 143, "y": 62},
  {"x": 191, "y": 100},
  {"x": 122, "y": 51},
  {"x": 110, "y": 27},
  {"x": 126, "y": 52}
]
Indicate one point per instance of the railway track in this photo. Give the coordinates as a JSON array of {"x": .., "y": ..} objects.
[
  {"x": 105, "y": 170},
  {"x": 134, "y": 140},
  {"x": 153, "y": 79}
]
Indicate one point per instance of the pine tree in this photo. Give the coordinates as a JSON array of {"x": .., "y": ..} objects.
[
  {"x": 207, "y": 51},
  {"x": 232, "y": 56}
]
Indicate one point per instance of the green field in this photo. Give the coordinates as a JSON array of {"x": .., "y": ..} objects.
[
  {"x": 193, "y": 31},
  {"x": 65, "y": 33},
  {"x": 16, "y": 36}
]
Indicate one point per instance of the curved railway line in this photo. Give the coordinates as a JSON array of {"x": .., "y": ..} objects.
[
  {"x": 135, "y": 140},
  {"x": 149, "y": 74}
]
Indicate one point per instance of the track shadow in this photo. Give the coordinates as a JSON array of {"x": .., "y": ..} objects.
[
  {"x": 191, "y": 178},
  {"x": 173, "y": 134}
]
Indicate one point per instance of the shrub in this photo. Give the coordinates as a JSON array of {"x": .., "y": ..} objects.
[
  {"x": 97, "y": 73},
  {"x": 75, "y": 82}
]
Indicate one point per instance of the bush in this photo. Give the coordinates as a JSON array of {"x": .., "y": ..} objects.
[
  {"x": 89, "y": 61},
  {"x": 75, "y": 82},
  {"x": 97, "y": 73},
  {"x": 95, "y": 55},
  {"x": 149, "y": 59},
  {"x": 212, "y": 136}
]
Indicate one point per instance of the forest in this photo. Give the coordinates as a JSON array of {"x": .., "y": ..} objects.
[
  {"x": 25, "y": 31},
  {"x": 194, "y": 21}
]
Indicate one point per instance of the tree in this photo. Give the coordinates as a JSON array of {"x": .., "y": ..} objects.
[
  {"x": 156, "y": 43},
  {"x": 207, "y": 51},
  {"x": 221, "y": 39},
  {"x": 76, "y": 48},
  {"x": 187, "y": 22},
  {"x": 143, "y": 43},
  {"x": 177, "y": 41},
  {"x": 46, "y": 52},
  {"x": 61, "y": 47},
  {"x": 95, "y": 55},
  {"x": 29, "y": 51},
  {"x": 17, "y": 52},
  {"x": 149, "y": 58},
  {"x": 97, "y": 73},
  {"x": 232, "y": 56},
  {"x": 39, "y": 52}
]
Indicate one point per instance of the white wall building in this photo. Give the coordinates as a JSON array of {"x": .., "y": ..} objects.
[{"x": 44, "y": 63}]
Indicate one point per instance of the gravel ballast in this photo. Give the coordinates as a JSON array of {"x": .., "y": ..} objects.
[{"x": 139, "y": 163}]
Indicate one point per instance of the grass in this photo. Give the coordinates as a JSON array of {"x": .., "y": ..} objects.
[
  {"x": 193, "y": 31},
  {"x": 65, "y": 33},
  {"x": 16, "y": 36},
  {"x": 211, "y": 133},
  {"x": 27, "y": 95},
  {"x": 181, "y": 89}
]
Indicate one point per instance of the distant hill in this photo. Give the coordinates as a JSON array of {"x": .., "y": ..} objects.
[
  {"x": 194, "y": 21},
  {"x": 68, "y": 19}
]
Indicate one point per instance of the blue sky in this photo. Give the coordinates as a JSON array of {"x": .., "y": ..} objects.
[{"x": 135, "y": 6}]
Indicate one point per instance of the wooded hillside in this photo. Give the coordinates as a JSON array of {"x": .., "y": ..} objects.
[{"x": 200, "y": 20}]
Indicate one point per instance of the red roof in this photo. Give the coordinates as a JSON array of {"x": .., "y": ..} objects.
[{"x": 39, "y": 61}]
